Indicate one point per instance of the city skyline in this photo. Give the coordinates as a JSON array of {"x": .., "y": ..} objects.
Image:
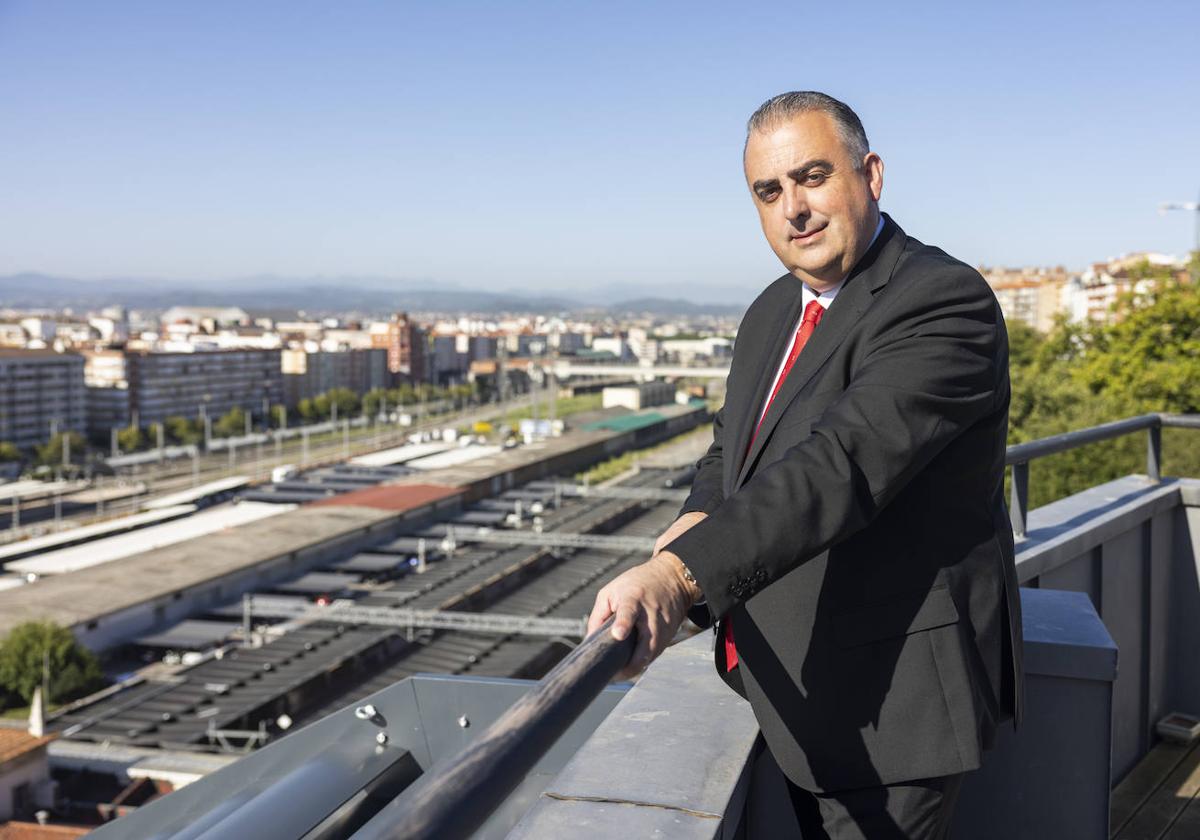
[{"x": 586, "y": 148}]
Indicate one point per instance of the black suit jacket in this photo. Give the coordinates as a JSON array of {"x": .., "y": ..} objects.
[{"x": 861, "y": 544}]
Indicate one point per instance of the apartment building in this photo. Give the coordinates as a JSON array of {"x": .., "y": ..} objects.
[
  {"x": 146, "y": 387},
  {"x": 307, "y": 374},
  {"x": 41, "y": 392}
]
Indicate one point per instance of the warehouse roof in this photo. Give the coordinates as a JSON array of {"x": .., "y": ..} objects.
[
  {"x": 91, "y": 593},
  {"x": 94, "y": 553},
  {"x": 396, "y": 497}
]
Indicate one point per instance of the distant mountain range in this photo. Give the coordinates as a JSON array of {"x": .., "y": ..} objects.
[{"x": 322, "y": 295}]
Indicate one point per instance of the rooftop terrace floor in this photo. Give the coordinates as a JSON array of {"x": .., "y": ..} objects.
[{"x": 1159, "y": 798}]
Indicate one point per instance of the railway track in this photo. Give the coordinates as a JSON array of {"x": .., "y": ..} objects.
[{"x": 319, "y": 667}]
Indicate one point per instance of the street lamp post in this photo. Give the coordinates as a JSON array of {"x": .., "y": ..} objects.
[{"x": 1190, "y": 206}]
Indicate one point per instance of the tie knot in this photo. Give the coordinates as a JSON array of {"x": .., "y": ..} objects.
[{"x": 813, "y": 313}]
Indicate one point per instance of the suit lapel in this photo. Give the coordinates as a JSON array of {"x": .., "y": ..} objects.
[
  {"x": 872, "y": 272},
  {"x": 765, "y": 363}
]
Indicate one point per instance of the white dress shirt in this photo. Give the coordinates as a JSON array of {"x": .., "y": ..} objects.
[{"x": 808, "y": 296}]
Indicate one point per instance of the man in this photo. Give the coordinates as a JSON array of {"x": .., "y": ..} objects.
[{"x": 847, "y": 527}]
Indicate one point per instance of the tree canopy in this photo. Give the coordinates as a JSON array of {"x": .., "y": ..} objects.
[
  {"x": 73, "y": 670},
  {"x": 1080, "y": 375}
]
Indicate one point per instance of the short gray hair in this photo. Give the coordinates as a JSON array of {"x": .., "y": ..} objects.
[{"x": 785, "y": 106}]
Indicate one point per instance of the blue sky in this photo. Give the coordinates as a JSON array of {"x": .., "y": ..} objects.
[{"x": 571, "y": 146}]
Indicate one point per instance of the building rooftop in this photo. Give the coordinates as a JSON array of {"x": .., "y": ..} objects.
[
  {"x": 14, "y": 743},
  {"x": 87, "y": 594},
  {"x": 29, "y": 353},
  {"x": 1107, "y": 571}
]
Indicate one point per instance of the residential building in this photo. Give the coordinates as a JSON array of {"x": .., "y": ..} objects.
[
  {"x": 307, "y": 374},
  {"x": 449, "y": 358},
  {"x": 25, "y": 783},
  {"x": 145, "y": 387},
  {"x": 1033, "y": 296},
  {"x": 688, "y": 351},
  {"x": 206, "y": 318},
  {"x": 637, "y": 397},
  {"x": 404, "y": 341},
  {"x": 568, "y": 343},
  {"x": 41, "y": 392},
  {"x": 1094, "y": 295},
  {"x": 644, "y": 348},
  {"x": 614, "y": 344},
  {"x": 12, "y": 335}
]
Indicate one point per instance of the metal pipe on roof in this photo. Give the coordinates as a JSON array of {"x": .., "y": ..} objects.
[{"x": 455, "y": 798}]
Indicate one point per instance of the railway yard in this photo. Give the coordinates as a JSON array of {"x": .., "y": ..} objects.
[{"x": 483, "y": 565}]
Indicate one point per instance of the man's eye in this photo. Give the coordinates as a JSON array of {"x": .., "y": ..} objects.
[
  {"x": 768, "y": 195},
  {"x": 814, "y": 179}
]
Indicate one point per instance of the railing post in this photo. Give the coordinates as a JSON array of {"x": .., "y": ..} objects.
[
  {"x": 1019, "y": 505},
  {"x": 1154, "y": 452}
]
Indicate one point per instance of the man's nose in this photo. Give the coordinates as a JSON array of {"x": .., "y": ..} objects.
[{"x": 795, "y": 203}]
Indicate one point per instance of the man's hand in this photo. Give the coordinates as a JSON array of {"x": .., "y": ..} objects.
[
  {"x": 678, "y": 527},
  {"x": 653, "y": 598}
]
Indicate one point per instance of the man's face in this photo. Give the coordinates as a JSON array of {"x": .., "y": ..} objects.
[{"x": 817, "y": 210}]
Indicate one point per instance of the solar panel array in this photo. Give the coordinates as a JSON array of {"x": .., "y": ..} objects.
[{"x": 293, "y": 672}]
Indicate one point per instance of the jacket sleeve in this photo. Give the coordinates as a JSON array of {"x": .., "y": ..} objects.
[
  {"x": 707, "y": 493},
  {"x": 934, "y": 366}
]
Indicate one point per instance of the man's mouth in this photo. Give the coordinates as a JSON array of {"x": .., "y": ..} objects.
[{"x": 804, "y": 237}]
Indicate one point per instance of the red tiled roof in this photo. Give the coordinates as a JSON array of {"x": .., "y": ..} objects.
[
  {"x": 396, "y": 497},
  {"x": 14, "y": 743},
  {"x": 14, "y": 830}
]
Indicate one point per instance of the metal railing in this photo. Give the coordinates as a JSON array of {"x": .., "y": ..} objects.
[
  {"x": 407, "y": 618},
  {"x": 1020, "y": 455},
  {"x": 453, "y": 799}
]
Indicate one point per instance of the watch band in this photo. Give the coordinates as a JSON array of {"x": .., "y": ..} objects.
[{"x": 687, "y": 574}]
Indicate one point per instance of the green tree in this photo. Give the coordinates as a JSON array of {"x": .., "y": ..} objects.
[
  {"x": 184, "y": 431},
  {"x": 403, "y": 394},
  {"x": 231, "y": 423},
  {"x": 347, "y": 401},
  {"x": 51, "y": 453},
  {"x": 1082, "y": 375},
  {"x": 130, "y": 439},
  {"x": 307, "y": 409},
  {"x": 321, "y": 409},
  {"x": 1150, "y": 357},
  {"x": 73, "y": 670},
  {"x": 9, "y": 452},
  {"x": 374, "y": 401},
  {"x": 1023, "y": 344}
]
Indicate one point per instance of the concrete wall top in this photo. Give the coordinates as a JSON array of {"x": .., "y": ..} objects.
[
  {"x": 1064, "y": 637},
  {"x": 669, "y": 757}
]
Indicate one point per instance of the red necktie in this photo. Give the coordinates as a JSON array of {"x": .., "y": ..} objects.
[{"x": 812, "y": 317}]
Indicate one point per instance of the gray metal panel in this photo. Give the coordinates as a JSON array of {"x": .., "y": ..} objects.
[
  {"x": 1159, "y": 621},
  {"x": 1077, "y": 575},
  {"x": 661, "y": 751},
  {"x": 586, "y": 819},
  {"x": 190, "y": 634},
  {"x": 369, "y": 562},
  {"x": 1122, "y": 609},
  {"x": 1064, "y": 637},
  {"x": 1049, "y": 780},
  {"x": 1065, "y": 529},
  {"x": 1185, "y": 611},
  {"x": 297, "y": 780}
]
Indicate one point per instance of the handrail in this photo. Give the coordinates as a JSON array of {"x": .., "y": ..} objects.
[
  {"x": 1020, "y": 455},
  {"x": 453, "y": 799}
]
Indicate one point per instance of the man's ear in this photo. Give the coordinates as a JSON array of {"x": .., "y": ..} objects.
[{"x": 873, "y": 172}]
